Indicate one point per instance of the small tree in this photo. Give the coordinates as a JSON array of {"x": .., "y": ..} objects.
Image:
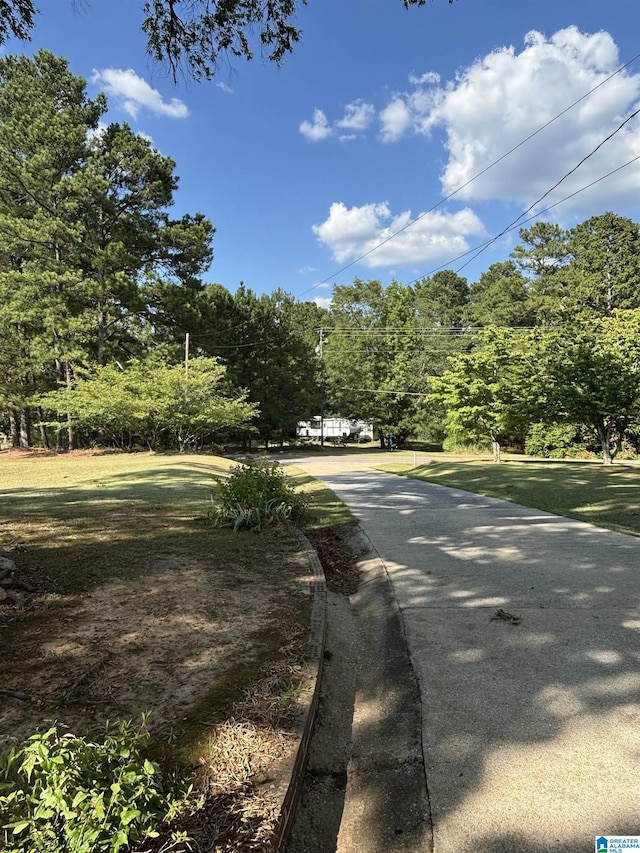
[
  {"x": 151, "y": 398},
  {"x": 591, "y": 376},
  {"x": 484, "y": 392}
]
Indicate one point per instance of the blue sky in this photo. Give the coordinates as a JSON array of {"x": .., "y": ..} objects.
[{"x": 379, "y": 114}]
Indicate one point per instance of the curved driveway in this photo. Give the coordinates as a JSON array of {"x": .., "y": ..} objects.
[{"x": 531, "y": 731}]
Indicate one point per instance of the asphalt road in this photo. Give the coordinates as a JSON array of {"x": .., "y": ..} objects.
[{"x": 523, "y": 629}]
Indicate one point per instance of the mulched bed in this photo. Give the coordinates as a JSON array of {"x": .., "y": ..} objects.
[{"x": 335, "y": 550}]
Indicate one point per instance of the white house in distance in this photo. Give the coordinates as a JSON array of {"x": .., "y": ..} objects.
[{"x": 335, "y": 428}]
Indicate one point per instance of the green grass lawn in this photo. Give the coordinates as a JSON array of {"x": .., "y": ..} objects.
[
  {"x": 79, "y": 523},
  {"x": 135, "y": 602},
  {"x": 87, "y": 518},
  {"x": 608, "y": 496},
  {"x": 90, "y": 517}
]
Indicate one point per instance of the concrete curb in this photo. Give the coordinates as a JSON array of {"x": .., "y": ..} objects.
[
  {"x": 312, "y": 674},
  {"x": 386, "y": 805}
]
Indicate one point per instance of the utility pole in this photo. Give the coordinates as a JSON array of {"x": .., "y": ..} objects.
[
  {"x": 186, "y": 356},
  {"x": 320, "y": 353}
]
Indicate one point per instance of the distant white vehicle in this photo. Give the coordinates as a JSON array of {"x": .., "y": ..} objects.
[{"x": 334, "y": 428}]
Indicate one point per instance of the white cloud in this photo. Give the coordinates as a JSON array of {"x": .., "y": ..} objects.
[
  {"x": 133, "y": 93},
  {"x": 318, "y": 128},
  {"x": 505, "y": 96},
  {"x": 395, "y": 119},
  {"x": 323, "y": 301},
  {"x": 357, "y": 116},
  {"x": 226, "y": 89},
  {"x": 351, "y": 232},
  {"x": 430, "y": 77}
]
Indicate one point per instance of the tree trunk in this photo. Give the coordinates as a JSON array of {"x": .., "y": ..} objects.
[
  {"x": 15, "y": 432},
  {"x": 496, "y": 450},
  {"x": 70, "y": 431},
  {"x": 25, "y": 428},
  {"x": 43, "y": 430},
  {"x": 100, "y": 336},
  {"x": 604, "y": 435}
]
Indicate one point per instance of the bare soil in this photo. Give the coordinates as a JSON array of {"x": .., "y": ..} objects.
[
  {"x": 139, "y": 644},
  {"x": 214, "y": 655},
  {"x": 134, "y": 604}
]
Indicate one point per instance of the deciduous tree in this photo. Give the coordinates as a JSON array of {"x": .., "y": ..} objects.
[
  {"x": 485, "y": 391},
  {"x": 499, "y": 298},
  {"x": 192, "y": 35},
  {"x": 590, "y": 375},
  {"x": 151, "y": 401}
]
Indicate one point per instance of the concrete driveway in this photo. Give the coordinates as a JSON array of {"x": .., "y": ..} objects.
[{"x": 524, "y": 633}]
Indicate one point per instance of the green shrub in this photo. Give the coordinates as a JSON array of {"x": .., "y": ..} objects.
[
  {"x": 458, "y": 444},
  {"x": 254, "y": 496},
  {"x": 556, "y": 441},
  {"x": 60, "y": 793}
]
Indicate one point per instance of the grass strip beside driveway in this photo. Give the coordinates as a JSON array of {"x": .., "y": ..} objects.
[{"x": 607, "y": 496}]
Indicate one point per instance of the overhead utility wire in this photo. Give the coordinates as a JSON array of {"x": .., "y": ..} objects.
[
  {"x": 472, "y": 179},
  {"x": 453, "y": 260},
  {"x": 403, "y": 330},
  {"x": 539, "y": 213},
  {"x": 384, "y": 391},
  {"x": 513, "y": 224},
  {"x": 480, "y": 247}
]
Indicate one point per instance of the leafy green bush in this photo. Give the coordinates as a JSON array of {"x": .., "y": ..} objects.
[
  {"x": 254, "y": 496},
  {"x": 60, "y": 793},
  {"x": 556, "y": 441},
  {"x": 455, "y": 443}
]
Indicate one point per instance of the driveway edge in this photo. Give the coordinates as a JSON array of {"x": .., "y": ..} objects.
[{"x": 311, "y": 675}]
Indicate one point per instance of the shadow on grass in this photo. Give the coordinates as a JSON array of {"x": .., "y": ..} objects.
[
  {"x": 134, "y": 566},
  {"x": 608, "y": 496}
]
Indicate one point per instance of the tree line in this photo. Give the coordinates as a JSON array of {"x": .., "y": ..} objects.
[
  {"x": 96, "y": 276},
  {"x": 110, "y": 336},
  {"x": 541, "y": 353}
]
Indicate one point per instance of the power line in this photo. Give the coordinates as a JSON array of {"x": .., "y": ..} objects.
[
  {"x": 474, "y": 178},
  {"x": 512, "y": 227},
  {"x": 385, "y": 391},
  {"x": 551, "y": 189}
]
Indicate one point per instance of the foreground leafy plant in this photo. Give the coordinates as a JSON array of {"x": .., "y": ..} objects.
[
  {"x": 255, "y": 496},
  {"x": 60, "y": 793}
]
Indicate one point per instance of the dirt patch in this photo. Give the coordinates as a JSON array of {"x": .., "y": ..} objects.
[
  {"x": 135, "y": 603},
  {"x": 181, "y": 642},
  {"x": 156, "y": 644}
]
